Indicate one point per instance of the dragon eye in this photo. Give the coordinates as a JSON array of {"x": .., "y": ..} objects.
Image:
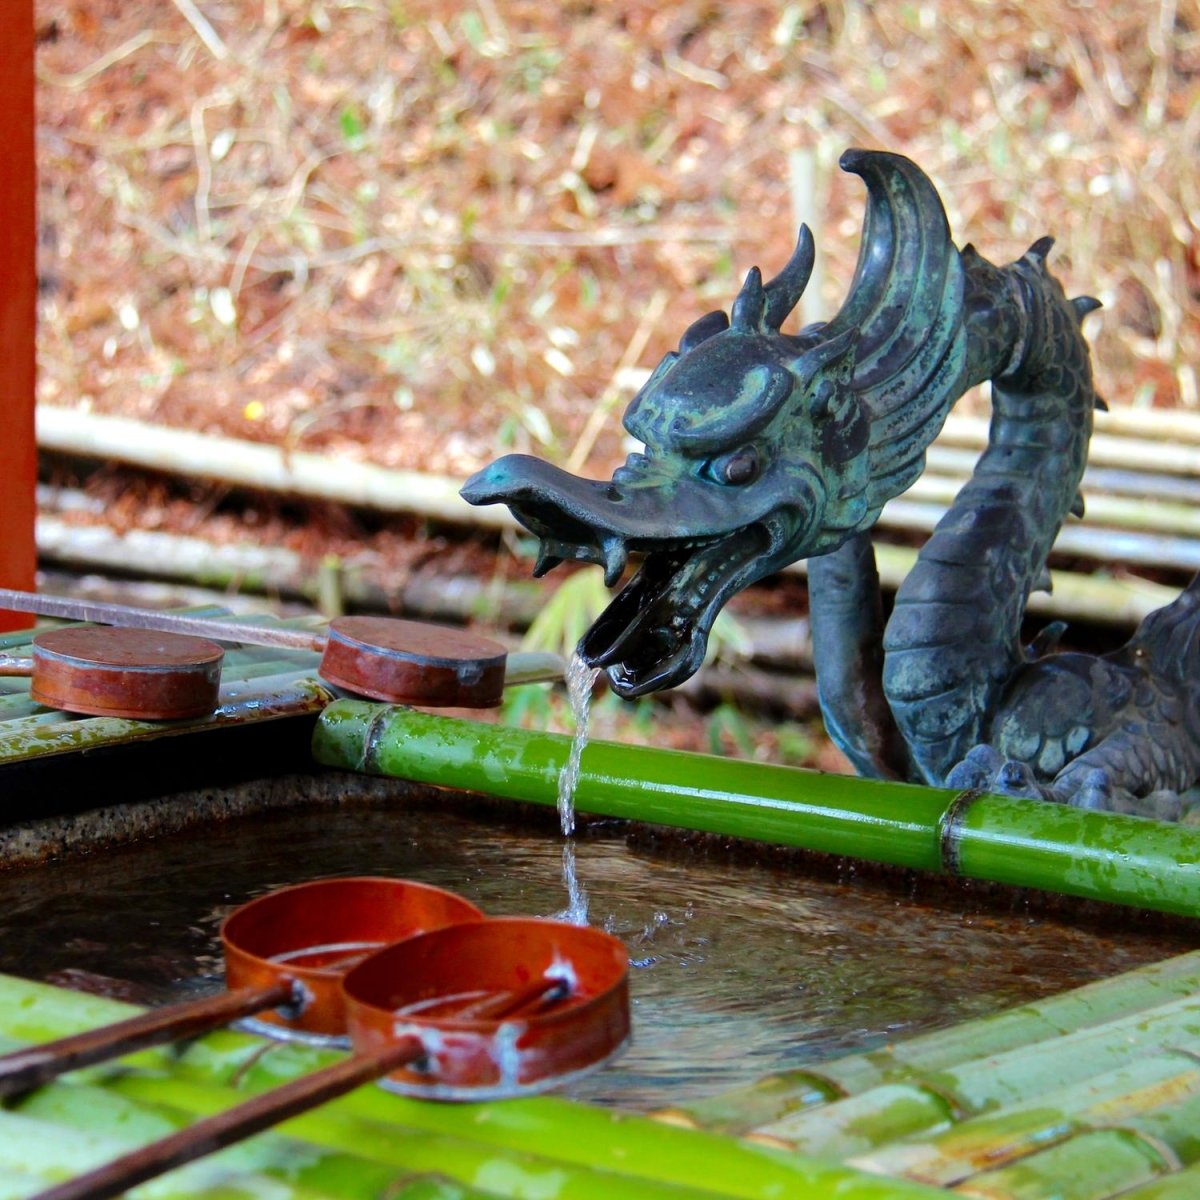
[{"x": 737, "y": 468}]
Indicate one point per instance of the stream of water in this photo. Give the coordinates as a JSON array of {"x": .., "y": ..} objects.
[{"x": 581, "y": 679}]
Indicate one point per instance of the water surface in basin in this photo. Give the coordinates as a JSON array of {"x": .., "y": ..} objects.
[{"x": 737, "y": 969}]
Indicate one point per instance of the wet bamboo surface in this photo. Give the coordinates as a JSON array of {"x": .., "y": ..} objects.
[
  {"x": 257, "y": 684},
  {"x": 1006, "y": 840},
  {"x": 1093, "y": 1093}
]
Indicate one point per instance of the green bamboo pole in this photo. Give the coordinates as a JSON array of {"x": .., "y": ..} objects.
[
  {"x": 1103, "y": 856},
  {"x": 50, "y": 1153},
  {"x": 985, "y": 1084},
  {"x": 1098, "y": 1165},
  {"x": 833, "y": 813},
  {"x": 1027, "y": 843},
  {"x": 1156, "y": 1096},
  {"x": 767, "y": 1100},
  {"x": 636, "y": 1151},
  {"x": 115, "y": 1124},
  {"x": 1183, "y": 1185}
]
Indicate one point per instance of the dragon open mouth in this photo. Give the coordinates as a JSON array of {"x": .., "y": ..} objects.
[
  {"x": 699, "y": 546},
  {"x": 655, "y": 632}
]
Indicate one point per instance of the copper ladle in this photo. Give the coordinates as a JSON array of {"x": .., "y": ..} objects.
[{"x": 119, "y": 672}]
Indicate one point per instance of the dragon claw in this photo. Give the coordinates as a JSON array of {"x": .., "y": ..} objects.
[
  {"x": 977, "y": 769},
  {"x": 986, "y": 770},
  {"x": 1017, "y": 779},
  {"x": 1095, "y": 792}
]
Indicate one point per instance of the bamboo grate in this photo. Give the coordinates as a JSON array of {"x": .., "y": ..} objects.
[{"x": 1095, "y": 1092}]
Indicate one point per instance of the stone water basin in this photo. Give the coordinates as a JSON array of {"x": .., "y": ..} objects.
[{"x": 739, "y": 967}]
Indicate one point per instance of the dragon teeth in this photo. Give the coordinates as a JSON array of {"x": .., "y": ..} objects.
[
  {"x": 548, "y": 558},
  {"x": 615, "y": 557}
]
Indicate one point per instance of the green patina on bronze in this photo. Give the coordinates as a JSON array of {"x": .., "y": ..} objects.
[{"x": 763, "y": 447}]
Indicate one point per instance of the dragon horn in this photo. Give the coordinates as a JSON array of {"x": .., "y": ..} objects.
[
  {"x": 751, "y": 303},
  {"x": 785, "y": 290},
  {"x": 906, "y": 304},
  {"x": 904, "y": 262}
]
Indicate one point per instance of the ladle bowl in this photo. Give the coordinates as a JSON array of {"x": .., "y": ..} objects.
[
  {"x": 413, "y": 662},
  {"x": 479, "y": 1010},
  {"x": 285, "y": 955},
  {"x": 311, "y": 934},
  {"x": 443, "y": 987}
]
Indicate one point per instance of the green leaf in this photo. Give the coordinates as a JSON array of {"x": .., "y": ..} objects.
[{"x": 353, "y": 128}]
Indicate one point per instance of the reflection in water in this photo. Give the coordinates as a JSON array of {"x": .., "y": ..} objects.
[{"x": 737, "y": 970}]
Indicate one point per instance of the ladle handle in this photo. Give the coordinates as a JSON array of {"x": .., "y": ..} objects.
[
  {"x": 210, "y": 1134},
  {"x": 510, "y": 1004},
  {"x": 166, "y": 622},
  {"x": 24, "y": 1069},
  {"x": 11, "y": 664}
]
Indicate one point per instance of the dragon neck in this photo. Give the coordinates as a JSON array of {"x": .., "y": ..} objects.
[{"x": 947, "y": 663}]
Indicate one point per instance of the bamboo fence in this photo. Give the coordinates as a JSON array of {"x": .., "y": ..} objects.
[{"x": 1142, "y": 492}]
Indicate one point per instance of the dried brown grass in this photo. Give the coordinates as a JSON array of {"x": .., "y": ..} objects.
[{"x": 417, "y": 232}]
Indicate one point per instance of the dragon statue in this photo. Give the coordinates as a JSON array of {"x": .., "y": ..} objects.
[{"x": 762, "y": 448}]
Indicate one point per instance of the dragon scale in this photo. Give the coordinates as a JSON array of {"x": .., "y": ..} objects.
[{"x": 953, "y": 637}]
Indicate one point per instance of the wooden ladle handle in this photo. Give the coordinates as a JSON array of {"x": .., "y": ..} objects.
[{"x": 33, "y": 1066}]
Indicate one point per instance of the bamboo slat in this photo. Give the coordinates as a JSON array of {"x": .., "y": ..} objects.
[
  {"x": 1072, "y": 597},
  {"x": 293, "y": 693},
  {"x": 461, "y": 1158},
  {"x": 1183, "y": 1185},
  {"x": 1105, "y": 544},
  {"x": 1170, "y": 512},
  {"x": 757, "y": 1105},
  {"x": 958, "y": 462},
  {"x": 860, "y": 1122},
  {"x": 323, "y": 1157},
  {"x": 1127, "y": 1127},
  {"x": 1146, "y": 1094},
  {"x": 49, "y": 1151},
  {"x": 1093, "y": 1166},
  {"x": 1166, "y": 446}
]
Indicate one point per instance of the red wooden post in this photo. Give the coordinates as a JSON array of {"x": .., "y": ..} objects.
[{"x": 18, "y": 304}]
